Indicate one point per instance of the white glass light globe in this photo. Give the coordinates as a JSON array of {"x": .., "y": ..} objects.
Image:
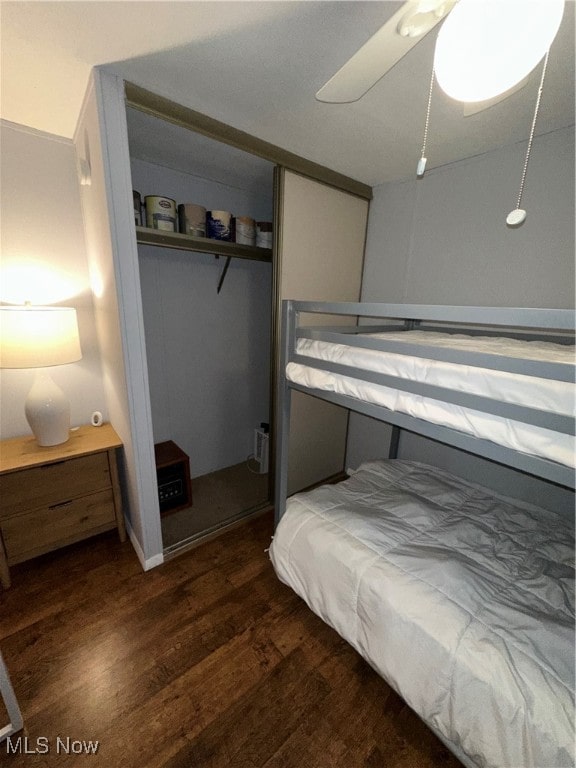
[{"x": 485, "y": 47}]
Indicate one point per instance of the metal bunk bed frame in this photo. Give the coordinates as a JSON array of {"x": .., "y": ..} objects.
[{"x": 555, "y": 325}]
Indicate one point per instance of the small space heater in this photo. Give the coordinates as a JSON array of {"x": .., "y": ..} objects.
[{"x": 261, "y": 437}]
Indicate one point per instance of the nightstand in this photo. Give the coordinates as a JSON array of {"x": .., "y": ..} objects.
[{"x": 54, "y": 496}]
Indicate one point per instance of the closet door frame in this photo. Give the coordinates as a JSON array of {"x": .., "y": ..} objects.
[
  {"x": 165, "y": 109},
  {"x": 158, "y": 106},
  {"x": 101, "y": 141}
]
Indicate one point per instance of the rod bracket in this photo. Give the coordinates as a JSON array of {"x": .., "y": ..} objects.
[{"x": 223, "y": 275}]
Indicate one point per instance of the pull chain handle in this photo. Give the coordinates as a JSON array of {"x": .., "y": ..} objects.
[
  {"x": 423, "y": 159},
  {"x": 518, "y": 215}
]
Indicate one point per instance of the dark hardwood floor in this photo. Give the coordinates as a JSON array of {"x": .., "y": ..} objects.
[{"x": 205, "y": 662}]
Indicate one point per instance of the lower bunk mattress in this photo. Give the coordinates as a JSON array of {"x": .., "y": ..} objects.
[{"x": 462, "y": 599}]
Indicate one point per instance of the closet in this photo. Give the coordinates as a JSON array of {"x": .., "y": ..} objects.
[
  {"x": 207, "y": 321},
  {"x": 157, "y": 306}
]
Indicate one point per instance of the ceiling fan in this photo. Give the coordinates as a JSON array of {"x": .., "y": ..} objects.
[
  {"x": 485, "y": 51},
  {"x": 505, "y": 36},
  {"x": 383, "y": 50}
]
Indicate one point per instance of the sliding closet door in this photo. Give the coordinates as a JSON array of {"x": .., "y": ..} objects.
[{"x": 320, "y": 250}]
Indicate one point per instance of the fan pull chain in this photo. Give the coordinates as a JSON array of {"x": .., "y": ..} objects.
[
  {"x": 518, "y": 215},
  {"x": 423, "y": 159}
]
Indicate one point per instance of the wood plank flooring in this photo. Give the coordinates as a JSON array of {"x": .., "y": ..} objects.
[{"x": 205, "y": 662}]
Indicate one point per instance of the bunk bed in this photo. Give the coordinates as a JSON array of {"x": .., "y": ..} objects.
[{"x": 461, "y": 598}]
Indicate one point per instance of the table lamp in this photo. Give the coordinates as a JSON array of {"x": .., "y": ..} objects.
[{"x": 39, "y": 337}]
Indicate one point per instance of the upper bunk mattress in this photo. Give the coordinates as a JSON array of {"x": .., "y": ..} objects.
[
  {"x": 545, "y": 394},
  {"x": 463, "y": 600}
]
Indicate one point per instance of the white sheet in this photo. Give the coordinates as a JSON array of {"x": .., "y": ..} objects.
[
  {"x": 462, "y": 599},
  {"x": 557, "y": 397}
]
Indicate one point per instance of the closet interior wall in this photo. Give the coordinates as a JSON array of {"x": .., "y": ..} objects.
[{"x": 208, "y": 353}]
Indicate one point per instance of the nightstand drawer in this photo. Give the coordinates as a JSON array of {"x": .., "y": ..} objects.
[
  {"x": 51, "y": 483},
  {"x": 45, "y": 529}
]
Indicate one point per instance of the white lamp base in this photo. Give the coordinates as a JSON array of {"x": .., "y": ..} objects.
[{"x": 48, "y": 411}]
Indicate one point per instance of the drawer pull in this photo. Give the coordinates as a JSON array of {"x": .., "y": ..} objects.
[{"x": 60, "y": 504}]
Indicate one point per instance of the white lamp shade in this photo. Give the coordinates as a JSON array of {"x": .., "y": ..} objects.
[
  {"x": 485, "y": 47},
  {"x": 36, "y": 337}
]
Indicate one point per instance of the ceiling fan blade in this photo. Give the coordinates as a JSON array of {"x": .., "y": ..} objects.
[{"x": 383, "y": 50}]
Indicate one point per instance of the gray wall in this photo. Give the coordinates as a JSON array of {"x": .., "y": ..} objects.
[
  {"x": 44, "y": 262},
  {"x": 208, "y": 353},
  {"x": 443, "y": 240}
]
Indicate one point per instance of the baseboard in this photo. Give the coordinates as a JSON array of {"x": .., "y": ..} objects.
[
  {"x": 153, "y": 562},
  {"x": 146, "y": 563}
]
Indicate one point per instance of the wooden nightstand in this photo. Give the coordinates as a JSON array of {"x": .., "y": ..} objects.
[{"x": 53, "y": 496}]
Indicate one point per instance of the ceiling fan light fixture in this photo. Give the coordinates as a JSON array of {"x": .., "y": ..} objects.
[
  {"x": 485, "y": 48},
  {"x": 422, "y": 17}
]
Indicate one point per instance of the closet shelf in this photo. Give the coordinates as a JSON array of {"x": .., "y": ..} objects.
[{"x": 148, "y": 236}]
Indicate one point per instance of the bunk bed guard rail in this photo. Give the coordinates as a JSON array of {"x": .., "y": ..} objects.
[{"x": 552, "y": 325}]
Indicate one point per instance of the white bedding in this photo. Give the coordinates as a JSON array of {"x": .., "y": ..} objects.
[
  {"x": 461, "y": 599},
  {"x": 555, "y": 396}
]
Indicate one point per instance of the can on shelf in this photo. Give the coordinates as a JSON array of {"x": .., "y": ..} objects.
[
  {"x": 218, "y": 225},
  {"x": 137, "y": 208},
  {"x": 264, "y": 234},
  {"x": 192, "y": 219},
  {"x": 160, "y": 213},
  {"x": 245, "y": 230}
]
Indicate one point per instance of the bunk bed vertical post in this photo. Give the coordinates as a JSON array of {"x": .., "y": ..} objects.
[
  {"x": 288, "y": 325},
  {"x": 409, "y": 325},
  {"x": 394, "y": 443}
]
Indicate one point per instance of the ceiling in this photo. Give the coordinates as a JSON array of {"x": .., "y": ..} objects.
[
  {"x": 172, "y": 146},
  {"x": 256, "y": 66}
]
